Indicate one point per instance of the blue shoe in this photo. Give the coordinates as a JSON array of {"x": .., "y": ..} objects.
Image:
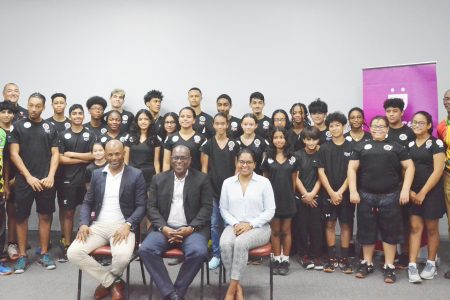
[
  {"x": 21, "y": 265},
  {"x": 4, "y": 270},
  {"x": 47, "y": 261},
  {"x": 214, "y": 263}
]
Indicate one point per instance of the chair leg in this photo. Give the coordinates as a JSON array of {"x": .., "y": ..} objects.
[
  {"x": 150, "y": 295},
  {"x": 128, "y": 282},
  {"x": 207, "y": 271},
  {"x": 271, "y": 276},
  {"x": 223, "y": 272},
  {"x": 79, "y": 284},
  {"x": 220, "y": 281},
  {"x": 142, "y": 272},
  {"x": 202, "y": 281}
]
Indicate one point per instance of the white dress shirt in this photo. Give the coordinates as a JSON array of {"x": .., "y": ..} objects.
[
  {"x": 110, "y": 211},
  {"x": 256, "y": 206},
  {"x": 177, "y": 217}
]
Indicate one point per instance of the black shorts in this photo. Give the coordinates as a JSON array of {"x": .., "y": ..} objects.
[
  {"x": 433, "y": 206},
  {"x": 59, "y": 186},
  {"x": 344, "y": 212},
  {"x": 379, "y": 213},
  {"x": 71, "y": 196},
  {"x": 25, "y": 196}
]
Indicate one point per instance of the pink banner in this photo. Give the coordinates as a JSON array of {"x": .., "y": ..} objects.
[{"x": 415, "y": 84}]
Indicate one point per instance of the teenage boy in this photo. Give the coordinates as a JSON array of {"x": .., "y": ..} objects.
[
  {"x": 308, "y": 219},
  {"x": 96, "y": 106},
  {"x": 224, "y": 105},
  {"x": 11, "y": 92},
  {"x": 117, "y": 99},
  {"x": 59, "y": 120},
  {"x": 402, "y": 134},
  {"x": 34, "y": 151},
  {"x": 153, "y": 101},
  {"x": 203, "y": 122},
  {"x": 318, "y": 110},
  {"x": 74, "y": 156},
  {"x": 7, "y": 112},
  {"x": 333, "y": 158},
  {"x": 257, "y": 104}
]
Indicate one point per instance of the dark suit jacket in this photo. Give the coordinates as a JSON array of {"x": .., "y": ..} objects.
[
  {"x": 132, "y": 196},
  {"x": 197, "y": 199}
]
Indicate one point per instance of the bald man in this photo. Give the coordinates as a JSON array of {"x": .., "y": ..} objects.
[{"x": 118, "y": 198}]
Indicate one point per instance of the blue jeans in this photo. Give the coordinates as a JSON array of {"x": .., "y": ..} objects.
[{"x": 216, "y": 228}]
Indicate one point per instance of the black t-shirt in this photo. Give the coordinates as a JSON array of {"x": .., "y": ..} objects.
[
  {"x": 325, "y": 136},
  {"x": 90, "y": 169},
  {"x": 307, "y": 168},
  {"x": 122, "y": 136},
  {"x": 380, "y": 169},
  {"x": 142, "y": 155},
  {"x": 158, "y": 125},
  {"x": 6, "y": 154},
  {"x": 258, "y": 146},
  {"x": 295, "y": 140},
  {"x": 59, "y": 126},
  {"x": 264, "y": 127},
  {"x": 20, "y": 114},
  {"x": 334, "y": 159},
  {"x": 280, "y": 176},
  {"x": 366, "y": 137},
  {"x": 127, "y": 120},
  {"x": 80, "y": 142},
  {"x": 234, "y": 130},
  {"x": 97, "y": 131},
  {"x": 193, "y": 143},
  {"x": 204, "y": 125},
  {"x": 221, "y": 162},
  {"x": 36, "y": 140},
  {"x": 402, "y": 135},
  {"x": 423, "y": 160}
]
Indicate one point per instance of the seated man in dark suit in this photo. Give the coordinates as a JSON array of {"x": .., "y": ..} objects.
[
  {"x": 118, "y": 197},
  {"x": 179, "y": 207}
]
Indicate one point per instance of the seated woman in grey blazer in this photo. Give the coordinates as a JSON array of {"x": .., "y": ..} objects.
[{"x": 247, "y": 205}]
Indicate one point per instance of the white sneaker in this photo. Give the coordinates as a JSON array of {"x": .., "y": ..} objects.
[
  {"x": 214, "y": 263},
  {"x": 413, "y": 274},
  {"x": 429, "y": 272},
  {"x": 13, "y": 251}
]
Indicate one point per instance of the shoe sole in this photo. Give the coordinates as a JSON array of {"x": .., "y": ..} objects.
[
  {"x": 318, "y": 268},
  {"x": 360, "y": 276},
  {"x": 19, "y": 271},
  {"x": 415, "y": 281},
  {"x": 7, "y": 273},
  {"x": 50, "y": 267},
  {"x": 328, "y": 270},
  {"x": 309, "y": 267},
  {"x": 65, "y": 260},
  {"x": 389, "y": 280},
  {"x": 429, "y": 278},
  {"x": 347, "y": 271}
]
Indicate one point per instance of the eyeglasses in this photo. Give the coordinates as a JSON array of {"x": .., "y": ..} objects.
[
  {"x": 380, "y": 127},
  {"x": 246, "y": 162},
  {"x": 419, "y": 123},
  {"x": 181, "y": 158}
]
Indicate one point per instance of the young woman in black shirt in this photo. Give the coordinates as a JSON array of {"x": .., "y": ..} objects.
[
  {"x": 115, "y": 132},
  {"x": 170, "y": 125},
  {"x": 249, "y": 139},
  {"x": 357, "y": 123}
]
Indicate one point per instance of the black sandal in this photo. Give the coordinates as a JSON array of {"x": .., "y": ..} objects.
[{"x": 447, "y": 275}]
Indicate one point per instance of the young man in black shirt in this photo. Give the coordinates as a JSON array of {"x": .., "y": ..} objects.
[
  {"x": 96, "y": 106},
  {"x": 117, "y": 99},
  {"x": 11, "y": 92},
  {"x": 203, "y": 122},
  {"x": 153, "y": 100},
  {"x": 402, "y": 134},
  {"x": 333, "y": 158},
  {"x": 318, "y": 110},
  {"x": 224, "y": 105},
  {"x": 257, "y": 104},
  {"x": 34, "y": 151},
  {"x": 74, "y": 155}
]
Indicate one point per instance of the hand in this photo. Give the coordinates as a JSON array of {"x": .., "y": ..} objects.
[
  {"x": 35, "y": 183},
  {"x": 6, "y": 192},
  {"x": 121, "y": 234},
  {"x": 314, "y": 202},
  {"x": 241, "y": 228},
  {"x": 354, "y": 198},
  {"x": 336, "y": 198},
  {"x": 48, "y": 182},
  {"x": 171, "y": 235},
  {"x": 412, "y": 196},
  {"x": 308, "y": 197},
  {"x": 83, "y": 233},
  {"x": 419, "y": 198},
  {"x": 185, "y": 231},
  {"x": 404, "y": 197}
]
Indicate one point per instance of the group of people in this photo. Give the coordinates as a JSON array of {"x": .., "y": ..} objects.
[{"x": 240, "y": 182}]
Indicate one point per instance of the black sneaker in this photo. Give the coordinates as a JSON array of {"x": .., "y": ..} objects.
[
  {"x": 389, "y": 275},
  {"x": 352, "y": 250},
  {"x": 284, "y": 268},
  {"x": 318, "y": 264},
  {"x": 402, "y": 262},
  {"x": 363, "y": 270},
  {"x": 345, "y": 266},
  {"x": 275, "y": 267},
  {"x": 330, "y": 265},
  {"x": 306, "y": 262},
  {"x": 62, "y": 258}
]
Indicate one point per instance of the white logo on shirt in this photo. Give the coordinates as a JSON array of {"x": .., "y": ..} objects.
[
  {"x": 103, "y": 139},
  {"x": 266, "y": 124},
  {"x": 27, "y": 124},
  {"x": 349, "y": 138},
  {"x": 270, "y": 161},
  {"x": 231, "y": 145},
  {"x": 124, "y": 118},
  {"x": 428, "y": 144},
  {"x": 328, "y": 134},
  {"x": 103, "y": 130},
  {"x": 292, "y": 160},
  {"x": 175, "y": 139},
  {"x": 234, "y": 126},
  {"x": 257, "y": 142},
  {"x": 411, "y": 144},
  {"x": 368, "y": 147},
  {"x": 67, "y": 136},
  {"x": 403, "y": 137},
  {"x": 67, "y": 125},
  {"x": 122, "y": 139},
  {"x": 347, "y": 154},
  {"x": 387, "y": 147},
  {"x": 46, "y": 127},
  {"x": 86, "y": 135},
  {"x": 202, "y": 120},
  {"x": 197, "y": 139},
  {"x": 439, "y": 143}
]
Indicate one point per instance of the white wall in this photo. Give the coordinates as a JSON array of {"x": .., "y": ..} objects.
[{"x": 290, "y": 50}]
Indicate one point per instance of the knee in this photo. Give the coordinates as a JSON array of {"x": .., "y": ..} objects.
[
  {"x": 330, "y": 226},
  {"x": 432, "y": 230},
  {"x": 276, "y": 233},
  {"x": 45, "y": 218},
  {"x": 198, "y": 251},
  {"x": 416, "y": 228},
  {"x": 68, "y": 214},
  {"x": 75, "y": 254},
  {"x": 121, "y": 258},
  {"x": 240, "y": 245}
]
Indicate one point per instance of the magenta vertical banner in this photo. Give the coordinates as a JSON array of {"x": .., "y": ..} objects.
[{"x": 416, "y": 84}]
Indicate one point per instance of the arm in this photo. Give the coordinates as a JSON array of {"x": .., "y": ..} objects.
[
  {"x": 140, "y": 200},
  {"x": 409, "y": 169},
  {"x": 166, "y": 162},
  {"x": 156, "y": 162},
  {"x": 63, "y": 160},
  {"x": 88, "y": 202},
  {"x": 203, "y": 216},
  {"x": 335, "y": 199},
  {"x": 438, "y": 169},
  {"x": 204, "y": 162},
  {"x": 353, "y": 166},
  {"x": 34, "y": 182},
  {"x": 225, "y": 206},
  {"x": 87, "y": 156},
  {"x": 343, "y": 187},
  {"x": 126, "y": 155},
  {"x": 6, "y": 170},
  {"x": 48, "y": 181},
  {"x": 294, "y": 177},
  {"x": 267, "y": 214}
]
